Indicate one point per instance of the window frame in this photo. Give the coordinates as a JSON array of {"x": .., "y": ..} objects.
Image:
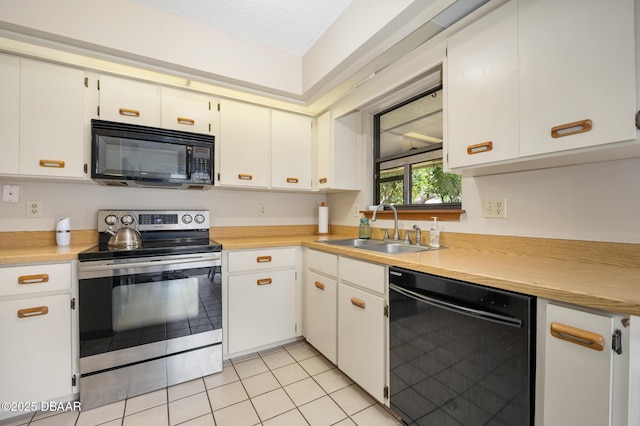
[{"x": 420, "y": 155}]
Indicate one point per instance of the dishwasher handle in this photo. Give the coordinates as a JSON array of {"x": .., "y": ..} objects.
[{"x": 476, "y": 313}]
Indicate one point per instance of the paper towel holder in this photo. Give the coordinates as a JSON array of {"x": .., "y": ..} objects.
[{"x": 317, "y": 232}]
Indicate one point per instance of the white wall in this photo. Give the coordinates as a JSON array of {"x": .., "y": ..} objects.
[
  {"x": 81, "y": 201},
  {"x": 592, "y": 202}
]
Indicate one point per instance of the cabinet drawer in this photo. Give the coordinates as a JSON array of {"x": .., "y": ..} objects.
[
  {"x": 322, "y": 262},
  {"x": 15, "y": 280},
  {"x": 253, "y": 260},
  {"x": 367, "y": 275}
]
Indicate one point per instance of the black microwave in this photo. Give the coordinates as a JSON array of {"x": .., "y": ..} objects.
[{"x": 131, "y": 155}]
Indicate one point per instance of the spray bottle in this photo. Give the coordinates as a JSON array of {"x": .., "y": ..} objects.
[{"x": 434, "y": 234}]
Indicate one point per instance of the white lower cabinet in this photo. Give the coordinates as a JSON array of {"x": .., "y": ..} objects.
[
  {"x": 263, "y": 298},
  {"x": 585, "y": 380},
  {"x": 321, "y": 314},
  {"x": 36, "y": 327},
  {"x": 361, "y": 332},
  {"x": 346, "y": 317}
]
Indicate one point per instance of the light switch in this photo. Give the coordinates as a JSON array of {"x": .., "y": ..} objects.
[{"x": 10, "y": 193}]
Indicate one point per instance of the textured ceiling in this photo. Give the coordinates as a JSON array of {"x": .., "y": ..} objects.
[{"x": 292, "y": 26}]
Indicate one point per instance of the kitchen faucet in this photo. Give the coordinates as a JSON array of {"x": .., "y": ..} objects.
[{"x": 395, "y": 219}]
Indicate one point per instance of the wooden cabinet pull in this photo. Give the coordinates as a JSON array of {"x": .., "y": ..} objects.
[
  {"x": 186, "y": 121},
  {"x": 292, "y": 180},
  {"x": 33, "y": 279},
  {"x": 129, "y": 112},
  {"x": 569, "y": 129},
  {"x": 579, "y": 337},
  {"x": 52, "y": 163},
  {"x": 244, "y": 176},
  {"x": 323, "y": 180},
  {"x": 264, "y": 281},
  {"x": 357, "y": 302},
  {"x": 480, "y": 148},
  {"x": 33, "y": 312},
  {"x": 263, "y": 259},
  {"x": 319, "y": 285}
]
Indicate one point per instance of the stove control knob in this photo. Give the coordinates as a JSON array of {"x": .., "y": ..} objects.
[
  {"x": 111, "y": 219},
  {"x": 186, "y": 219},
  {"x": 199, "y": 218},
  {"x": 127, "y": 219}
]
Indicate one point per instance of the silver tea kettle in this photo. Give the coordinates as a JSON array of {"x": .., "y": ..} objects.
[{"x": 126, "y": 237}]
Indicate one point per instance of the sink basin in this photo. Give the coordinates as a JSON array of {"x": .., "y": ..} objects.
[
  {"x": 395, "y": 248},
  {"x": 388, "y": 247},
  {"x": 353, "y": 242}
]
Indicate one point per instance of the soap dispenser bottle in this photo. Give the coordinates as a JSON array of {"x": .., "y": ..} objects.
[
  {"x": 364, "y": 230},
  {"x": 434, "y": 234}
]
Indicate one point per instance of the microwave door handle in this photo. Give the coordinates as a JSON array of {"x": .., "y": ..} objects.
[{"x": 189, "y": 161}]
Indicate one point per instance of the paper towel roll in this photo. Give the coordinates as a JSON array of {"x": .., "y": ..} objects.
[{"x": 323, "y": 220}]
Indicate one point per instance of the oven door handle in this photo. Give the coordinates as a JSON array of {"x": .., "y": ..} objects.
[
  {"x": 112, "y": 266},
  {"x": 476, "y": 313}
]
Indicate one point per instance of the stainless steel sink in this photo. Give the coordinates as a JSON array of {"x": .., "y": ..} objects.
[
  {"x": 388, "y": 247},
  {"x": 395, "y": 248},
  {"x": 353, "y": 242}
]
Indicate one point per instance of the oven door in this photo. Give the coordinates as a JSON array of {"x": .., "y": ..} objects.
[{"x": 138, "y": 309}]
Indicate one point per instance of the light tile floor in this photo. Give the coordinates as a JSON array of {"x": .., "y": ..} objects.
[{"x": 288, "y": 385}]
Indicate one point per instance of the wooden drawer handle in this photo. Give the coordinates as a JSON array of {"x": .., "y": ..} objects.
[
  {"x": 322, "y": 180},
  {"x": 292, "y": 180},
  {"x": 319, "y": 285},
  {"x": 571, "y": 128},
  {"x": 244, "y": 176},
  {"x": 186, "y": 121},
  {"x": 357, "y": 302},
  {"x": 264, "y": 281},
  {"x": 579, "y": 337},
  {"x": 52, "y": 163},
  {"x": 129, "y": 112},
  {"x": 33, "y": 279},
  {"x": 33, "y": 312},
  {"x": 479, "y": 148},
  {"x": 263, "y": 259}
]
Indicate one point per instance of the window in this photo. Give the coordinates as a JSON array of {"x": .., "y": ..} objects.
[{"x": 408, "y": 156}]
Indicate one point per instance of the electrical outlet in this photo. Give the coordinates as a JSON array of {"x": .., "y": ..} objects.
[
  {"x": 262, "y": 210},
  {"x": 356, "y": 210},
  {"x": 34, "y": 208},
  {"x": 495, "y": 208}
]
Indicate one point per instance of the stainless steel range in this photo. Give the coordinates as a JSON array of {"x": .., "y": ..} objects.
[{"x": 150, "y": 314}]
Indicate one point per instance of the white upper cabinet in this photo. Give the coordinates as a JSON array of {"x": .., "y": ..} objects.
[
  {"x": 482, "y": 90},
  {"x": 243, "y": 145},
  {"x": 52, "y": 120},
  {"x": 337, "y": 152},
  {"x": 130, "y": 101},
  {"x": 9, "y": 114},
  {"x": 577, "y": 74},
  {"x": 291, "y": 138},
  {"x": 187, "y": 111}
]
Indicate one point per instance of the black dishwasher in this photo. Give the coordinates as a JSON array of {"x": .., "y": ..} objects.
[{"x": 460, "y": 353}]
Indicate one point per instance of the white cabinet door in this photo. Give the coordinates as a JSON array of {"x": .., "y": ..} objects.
[
  {"x": 577, "y": 379},
  {"x": 52, "y": 125},
  {"x": 36, "y": 352},
  {"x": 129, "y": 101},
  {"x": 482, "y": 90},
  {"x": 337, "y": 161},
  {"x": 187, "y": 111},
  {"x": 577, "y": 72},
  {"x": 262, "y": 309},
  {"x": 361, "y": 338},
  {"x": 321, "y": 311},
  {"x": 291, "y": 137},
  {"x": 9, "y": 114},
  {"x": 244, "y": 144}
]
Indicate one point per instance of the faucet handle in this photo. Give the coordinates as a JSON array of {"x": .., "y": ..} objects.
[{"x": 406, "y": 236}]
